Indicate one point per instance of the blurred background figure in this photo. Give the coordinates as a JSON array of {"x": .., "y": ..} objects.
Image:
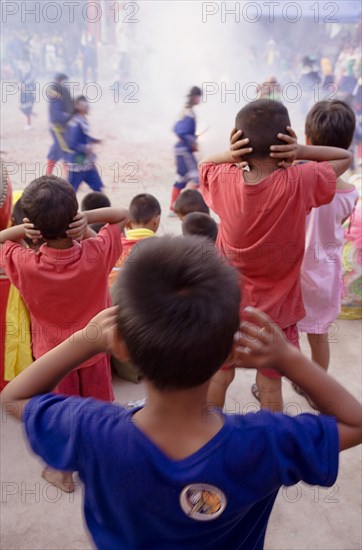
[
  {"x": 60, "y": 111},
  {"x": 186, "y": 146},
  {"x": 90, "y": 60},
  {"x": 27, "y": 88}
]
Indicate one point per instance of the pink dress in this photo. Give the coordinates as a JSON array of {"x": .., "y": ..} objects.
[{"x": 321, "y": 273}]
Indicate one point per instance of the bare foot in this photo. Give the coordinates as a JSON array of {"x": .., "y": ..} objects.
[{"x": 62, "y": 480}]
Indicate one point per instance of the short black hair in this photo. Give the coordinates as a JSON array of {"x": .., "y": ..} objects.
[
  {"x": 176, "y": 317},
  {"x": 261, "y": 121},
  {"x": 50, "y": 203},
  {"x": 17, "y": 213},
  {"x": 331, "y": 123},
  {"x": 200, "y": 224},
  {"x": 189, "y": 201},
  {"x": 95, "y": 200},
  {"x": 17, "y": 217},
  {"x": 143, "y": 208}
]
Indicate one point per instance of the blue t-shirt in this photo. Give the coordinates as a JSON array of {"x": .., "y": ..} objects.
[{"x": 219, "y": 497}]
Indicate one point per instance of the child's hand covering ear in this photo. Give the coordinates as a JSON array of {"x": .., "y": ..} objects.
[
  {"x": 78, "y": 227},
  {"x": 260, "y": 343},
  {"x": 102, "y": 329},
  {"x": 237, "y": 145},
  {"x": 287, "y": 153},
  {"x": 30, "y": 232}
]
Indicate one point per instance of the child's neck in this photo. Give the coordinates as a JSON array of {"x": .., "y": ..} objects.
[
  {"x": 142, "y": 226},
  {"x": 259, "y": 170},
  {"x": 60, "y": 244},
  {"x": 179, "y": 422}
]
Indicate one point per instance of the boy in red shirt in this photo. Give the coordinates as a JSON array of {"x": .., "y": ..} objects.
[
  {"x": 262, "y": 210},
  {"x": 65, "y": 283}
]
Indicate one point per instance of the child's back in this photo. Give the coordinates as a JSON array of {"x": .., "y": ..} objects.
[
  {"x": 262, "y": 220},
  {"x": 194, "y": 477},
  {"x": 322, "y": 266},
  {"x": 328, "y": 123},
  {"x": 65, "y": 283},
  {"x": 263, "y": 213}
]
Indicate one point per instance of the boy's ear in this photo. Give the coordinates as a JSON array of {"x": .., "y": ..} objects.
[
  {"x": 128, "y": 225},
  {"x": 307, "y": 140},
  {"x": 120, "y": 351},
  {"x": 156, "y": 222}
]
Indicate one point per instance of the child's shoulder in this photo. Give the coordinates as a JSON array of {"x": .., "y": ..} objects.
[{"x": 345, "y": 186}]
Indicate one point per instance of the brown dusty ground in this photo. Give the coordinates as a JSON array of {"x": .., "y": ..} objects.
[{"x": 34, "y": 515}]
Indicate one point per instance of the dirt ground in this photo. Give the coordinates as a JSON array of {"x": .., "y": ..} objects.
[{"x": 35, "y": 515}]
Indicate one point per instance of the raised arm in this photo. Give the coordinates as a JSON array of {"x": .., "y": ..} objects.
[
  {"x": 78, "y": 229},
  {"x": 262, "y": 344},
  {"x": 339, "y": 159},
  {"x": 107, "y": 215},
  {"x": 47, "y": 371},
  {"x": 18, "y": 232},
  {"x": 232, "y": 156},
  {"x": 15, "y": 234}
]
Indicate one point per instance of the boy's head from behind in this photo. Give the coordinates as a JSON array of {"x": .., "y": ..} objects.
[
  {"x": 189, "y": 201},
  {"x": 95, "y": 200},
  {"x": 144, "y": 211},
  {"x": 176, "y": 318},
  {"x": 199, "y": 224},
  {"x": 261, "y": 121},
  {"x": 330, "y": 123},
  {"x": 50, "y": 203}
]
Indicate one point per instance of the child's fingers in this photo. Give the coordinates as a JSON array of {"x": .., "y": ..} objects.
[
  {"x": 234, "y": 135},
  {"x": 32, "y": 233},
  {"x": 242, "y": 358},
  {"x": 77, "y": 223},
  {"x": 251, "y": 334},
  {"x": 239, "y": 144},
  {"x": 287, "y": 138},
  {"x": 291, "y": 132},
  {"x": 258, "y": 317},
  {"x": 287, "y": 147},
  {"x": 242, "y": 152}
]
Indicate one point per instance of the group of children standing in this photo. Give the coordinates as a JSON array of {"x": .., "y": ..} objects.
[{"x": 187, "y": 313}]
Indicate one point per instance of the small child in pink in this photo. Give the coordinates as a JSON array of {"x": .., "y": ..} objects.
[{"x": 330, "y": 123}]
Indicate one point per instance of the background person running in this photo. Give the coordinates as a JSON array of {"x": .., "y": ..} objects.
[{"x": 186, "y": 146}]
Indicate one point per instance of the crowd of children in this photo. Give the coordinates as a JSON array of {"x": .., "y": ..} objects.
[{"x": 187, "y": 312}]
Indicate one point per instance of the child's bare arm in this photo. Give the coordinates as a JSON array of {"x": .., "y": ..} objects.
[
  {"x": 18, "y": 232},
  {"x": 262, "y": 344},
  {"x": 108, "y": 215},
  {"x": 79, "y": 229},
  {"x": 47, "y": 371},
  {"x": 234, "y": 155},
  {"x": 340, "y": 159},
  {"x": 14, "y": 234}
]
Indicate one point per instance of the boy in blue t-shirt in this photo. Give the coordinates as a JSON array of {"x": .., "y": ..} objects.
[{"x": 177, "y": 474}]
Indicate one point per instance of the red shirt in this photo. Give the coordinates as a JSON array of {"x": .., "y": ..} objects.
[
  {"x": 63, "y": 289},
  {"x": 262, "y": 229}
]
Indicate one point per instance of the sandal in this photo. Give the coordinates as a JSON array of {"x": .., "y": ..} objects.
[
  {"x": 255, "y": 391},
  {"x": 300, "y": 392}
]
